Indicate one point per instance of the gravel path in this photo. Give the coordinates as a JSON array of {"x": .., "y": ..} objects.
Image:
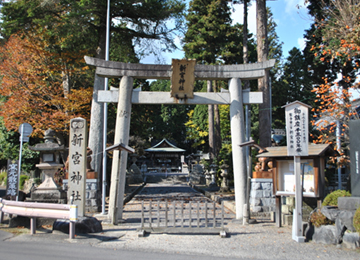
[{"x": 256, "y": 241}]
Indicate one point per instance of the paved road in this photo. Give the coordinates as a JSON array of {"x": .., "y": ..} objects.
[
  {"x": 256, "y": 241},
  {"x": 39, "y": 247}
]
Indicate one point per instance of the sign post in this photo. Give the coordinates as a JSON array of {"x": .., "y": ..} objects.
[
  {"x": 25, "y": 130},
  {"x": 297, "y": 135},
  {"x": 12, "y": 178}
]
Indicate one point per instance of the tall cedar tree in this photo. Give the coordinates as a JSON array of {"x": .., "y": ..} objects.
[
  {"x": 294, "y": 84},
  {"x": 210, "y": 39},
  {"x": 275, "y": 52}
]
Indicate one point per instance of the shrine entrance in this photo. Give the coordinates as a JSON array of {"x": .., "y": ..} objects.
[{"x": 125, "y": 96}]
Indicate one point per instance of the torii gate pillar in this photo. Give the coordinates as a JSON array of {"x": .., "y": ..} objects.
[
  {"x": 238, "y": 137},
  {"x": 122, "y": 131}
]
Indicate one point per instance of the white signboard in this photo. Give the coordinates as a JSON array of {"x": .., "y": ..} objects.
[{"x": 297, "y": 128}]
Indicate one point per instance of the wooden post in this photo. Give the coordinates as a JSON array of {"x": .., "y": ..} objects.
[
  {"x": 297, "y": 215},
  {"x": 278, "y": 211}
]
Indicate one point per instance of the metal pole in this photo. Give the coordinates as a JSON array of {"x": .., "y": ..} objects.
[
  {"x": 105, "y": 110},
  {"x": 20, "y": 155}
]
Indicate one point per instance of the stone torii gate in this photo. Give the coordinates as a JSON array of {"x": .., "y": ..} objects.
[{"x": 125, "y": 96}]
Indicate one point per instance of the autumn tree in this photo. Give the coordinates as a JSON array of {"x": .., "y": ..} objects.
[
  {"x": 32, "y": 84},
  {"x": 81, "y": 25},
  {"x": 339, "y": 48}
]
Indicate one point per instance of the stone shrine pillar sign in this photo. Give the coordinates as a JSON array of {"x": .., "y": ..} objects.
[
  {"x": 182, "y": 78},
  {"x": 77, "y": 164}
]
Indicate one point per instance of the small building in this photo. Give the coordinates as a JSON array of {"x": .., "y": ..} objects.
[
  {"x": 275, "y": 164},
  {"x": 164, "y": 156}
]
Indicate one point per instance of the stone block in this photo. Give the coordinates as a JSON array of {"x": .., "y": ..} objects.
[
  {"x": 94, "y": 186},
  {"x": 325, "y": 235},
  {"x": 287, "y": 220},
  {"x": 88, "y": 203},
  {"x": 94, "y": 202},
  {"x": 330, "y": 212},
  {"x": 266, "y": 186},
  {"x": 287, "y": 209},
  {"x": 351, "y": 240},
  {"x": 92, "y": 194},
  {"x": 290, "y": 201},
  {"x": 267, "y": 193},
  {"x": 256, "y": 209},
  {"x": 255, "y": 202},
  {"x": 256, "y": 194},
  {"x": 348, "y": 203},
  {"x": 265, "y": 208},
  {"x": 266, "y": 202},
  {"x": 84, "y": 225},
  {"x": 345, "y": 222},
  {"x": 255, "y": 186}
]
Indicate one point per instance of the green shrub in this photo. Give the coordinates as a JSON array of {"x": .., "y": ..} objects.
[
  {"x": 356, "y": 220},
  {"x": 23, "y": 178},
  {"x": 332, "y": 198},
  {"x": 318, "y": 219},
  {"x": 3, "y": 176}
]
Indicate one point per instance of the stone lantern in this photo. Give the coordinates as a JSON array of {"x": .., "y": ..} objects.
[
  {"x": 213, "y": 168},
  {"x": 224, "y": 173},
  {"x": 50, "y": 154},
  {"x": 135, "y": 175}
]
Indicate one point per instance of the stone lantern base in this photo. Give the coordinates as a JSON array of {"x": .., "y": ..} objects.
[{"x": 49, "y": 191}]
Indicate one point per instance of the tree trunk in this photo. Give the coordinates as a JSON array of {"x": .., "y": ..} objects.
[
  {"x": 211, "y": 124},
  {"x": 97, "y": 111},
  {"x": 263, "y": 84},
  {"x": 217, "y": 134},
  {"x": 245, "y": 41}
]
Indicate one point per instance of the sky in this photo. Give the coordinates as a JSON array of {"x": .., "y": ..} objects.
[{"x": 290, "y": 16}]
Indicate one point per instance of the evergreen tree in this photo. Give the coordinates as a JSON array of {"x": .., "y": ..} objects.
[
  {"x": 294, "y": 84},
  {"x": 210, "y": 35},
  {"x": 210, "y": 39}
]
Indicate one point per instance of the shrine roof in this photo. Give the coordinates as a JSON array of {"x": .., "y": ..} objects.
[
  {"x": 165, "y": 146},
  {"x": 313, "y": 149}
]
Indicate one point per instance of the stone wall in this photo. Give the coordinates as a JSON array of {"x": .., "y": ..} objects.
[
  {"x": 93, "y": 195},
  {"x": 262, "y": 201}
]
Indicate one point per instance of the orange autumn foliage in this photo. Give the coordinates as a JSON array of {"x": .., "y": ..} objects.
[{"x": 32, "y": 82}]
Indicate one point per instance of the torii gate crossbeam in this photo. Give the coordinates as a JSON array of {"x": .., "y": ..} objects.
[{"x": 236, "y": 97}]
